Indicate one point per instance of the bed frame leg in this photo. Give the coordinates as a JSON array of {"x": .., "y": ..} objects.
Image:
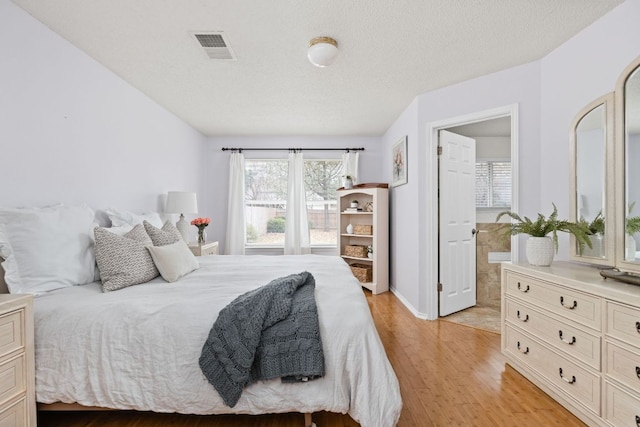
[{"x": 308, "y": 422}]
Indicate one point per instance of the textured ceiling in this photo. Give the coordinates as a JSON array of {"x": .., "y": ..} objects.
[{"x": 390, "y": 51}]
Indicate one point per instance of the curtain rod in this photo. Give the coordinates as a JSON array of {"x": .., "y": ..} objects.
[{"x": 240, "y": 150}]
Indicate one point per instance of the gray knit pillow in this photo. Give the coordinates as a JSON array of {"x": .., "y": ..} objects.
[
  {"x": 123, "y": 260},
  {"x": 166, "y": 235}
]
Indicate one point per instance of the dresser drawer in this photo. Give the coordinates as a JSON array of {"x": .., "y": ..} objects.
[
  {"x": 12, "y": 380},
  {"x": 575, "y": 381},
  {"x": 582, "y": 308},
  {"x": 11, "y": 332},
  {"x": 621, "y": 408},
  {"x": 14, "y": 415},
  {"x": 623, "y": 365},
  {"x": 561, "y": 335},
  {"x": 623, "y": 323}
]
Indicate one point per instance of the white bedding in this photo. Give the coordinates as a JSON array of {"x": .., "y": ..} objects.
[{"x": 138, "y": 348}]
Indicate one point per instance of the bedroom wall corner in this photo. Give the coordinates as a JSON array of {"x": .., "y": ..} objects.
[{"x": 413, "y": 204}]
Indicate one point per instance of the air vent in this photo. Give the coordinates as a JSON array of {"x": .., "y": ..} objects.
[{"x": 215, "y": 45}]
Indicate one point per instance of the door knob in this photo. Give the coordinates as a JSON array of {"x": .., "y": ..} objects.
[{"x": 474, "y": 231}]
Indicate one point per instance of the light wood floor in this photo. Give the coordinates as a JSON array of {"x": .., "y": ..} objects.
[{"x": 450, "y": 375}]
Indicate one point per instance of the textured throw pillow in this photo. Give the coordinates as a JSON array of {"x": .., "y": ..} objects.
[
  {"x": 119, "y": 218},
  {"x": 174, "y": 260},
  {"x": 166, "y": 235},
  {"x": 123, "y": 260},
  {"x": 47, "y": 248}
]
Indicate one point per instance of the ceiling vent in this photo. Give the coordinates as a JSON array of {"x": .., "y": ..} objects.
[{"x": 215, "y": 45}]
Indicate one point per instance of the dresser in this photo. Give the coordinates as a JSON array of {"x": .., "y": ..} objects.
[
  {"x": 17, "y": 368},
  {"x": 577, "y": 337}
]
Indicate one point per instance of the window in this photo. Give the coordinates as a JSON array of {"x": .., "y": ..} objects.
[
  {"x": 266, "y": 201},
  {"x": 493, "y": 184}
]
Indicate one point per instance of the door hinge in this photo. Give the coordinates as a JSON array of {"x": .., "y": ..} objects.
[
  {"x": 439, "y": 287},
  {"x": 439, "y": 150}
]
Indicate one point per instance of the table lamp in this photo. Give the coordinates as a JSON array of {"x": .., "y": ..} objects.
[{"x": 182, "y": 202}]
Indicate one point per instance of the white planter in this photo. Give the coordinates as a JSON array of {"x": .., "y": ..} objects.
[
  {"x": 540, "y": 251},
  {"x": 597, "y": 246},
  {"x": 630, "y": 248}
]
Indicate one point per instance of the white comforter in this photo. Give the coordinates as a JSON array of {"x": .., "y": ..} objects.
[{"x": 138, "y": 348}]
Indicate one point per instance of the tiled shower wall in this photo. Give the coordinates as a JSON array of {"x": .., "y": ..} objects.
[{"x": 488, "y": 274}]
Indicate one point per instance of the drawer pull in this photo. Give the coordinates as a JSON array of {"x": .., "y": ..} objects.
[
  {"x": 572, "y": 342},
  {"x": 571, "y": 381},
  {"x": 526, "y": 289},
  {"x": 525, "y": 318},
  {"x": 638, "y": 327},
  {"x": 523, "y": 351},
  {"x": 570, "y": 307},
  {"x": 638, "y": 372},
  {"x": 638, "y": 421}
]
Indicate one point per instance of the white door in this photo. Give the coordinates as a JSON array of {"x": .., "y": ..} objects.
[{"x": 457, "y": 218}]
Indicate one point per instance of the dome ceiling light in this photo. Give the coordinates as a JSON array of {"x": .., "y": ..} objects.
[{"x": 322, "y": 51}]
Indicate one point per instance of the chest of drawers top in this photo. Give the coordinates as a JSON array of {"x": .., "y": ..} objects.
[{"x": 573, "y": 277}]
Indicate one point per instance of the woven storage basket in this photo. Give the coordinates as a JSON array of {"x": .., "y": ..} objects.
[
  {"x": 357, "y": 251},
  {"x": 362, "y": 272},
  {"x": 363, "y": 229}
]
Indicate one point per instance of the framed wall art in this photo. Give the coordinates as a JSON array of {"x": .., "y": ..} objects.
[{"x": 399, "y": 162}]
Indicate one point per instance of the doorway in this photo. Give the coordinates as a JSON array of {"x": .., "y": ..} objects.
[{"x": 496, "y": 147}]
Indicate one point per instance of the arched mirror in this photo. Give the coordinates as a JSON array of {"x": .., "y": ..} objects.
[
  {"x": 592, "y": 180},
  {"x": 628, "y": 164}
]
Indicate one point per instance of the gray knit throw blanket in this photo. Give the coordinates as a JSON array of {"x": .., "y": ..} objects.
[{"x": 270, "y": 332}]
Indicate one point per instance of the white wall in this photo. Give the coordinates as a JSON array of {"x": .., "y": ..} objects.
[
  {"x": 406, "y": 221},
  {"x": 72, "y": 131},
  {"x": 216, "y": 174},
  {"x": 492, "y": 147}
]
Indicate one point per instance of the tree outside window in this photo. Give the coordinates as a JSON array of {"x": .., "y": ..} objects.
[{"x": 266, "y": 199}]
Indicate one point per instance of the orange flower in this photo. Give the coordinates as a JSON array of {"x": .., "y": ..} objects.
[{"x": 201, "y": 222}]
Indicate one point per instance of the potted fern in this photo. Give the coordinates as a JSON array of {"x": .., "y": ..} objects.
[{"x": 543, "y": 234}]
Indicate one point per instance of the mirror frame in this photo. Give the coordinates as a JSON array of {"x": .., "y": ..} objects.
[
  {"x": 607, "y": 101},
  {"x": 621, "y": 210}
]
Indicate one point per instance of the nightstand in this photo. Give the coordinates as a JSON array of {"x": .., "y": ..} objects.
[
  {"x": 206, "y": 249},
  {"x": 17, "y": 367}
]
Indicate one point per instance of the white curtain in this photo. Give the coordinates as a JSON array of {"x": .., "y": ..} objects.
[
  {"x": 350, "y": 165},
  {"x": 296, "y": 228},
  {"x": 235, "y": 211}
]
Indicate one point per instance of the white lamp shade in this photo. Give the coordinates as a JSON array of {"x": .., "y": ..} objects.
[
  {"x": 322, "y": 51},
  {"x": 181, "y": 202}
]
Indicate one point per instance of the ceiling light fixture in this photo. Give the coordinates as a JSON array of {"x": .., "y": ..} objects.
[{"x": 322, "y": 51}]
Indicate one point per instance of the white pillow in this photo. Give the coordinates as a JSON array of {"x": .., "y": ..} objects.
[
  {"x": 173, "y": 261},
  {"x": 121, "y": 230},
  {"x": 119, "y": 218},
  {"x": 47, "y": 248}
]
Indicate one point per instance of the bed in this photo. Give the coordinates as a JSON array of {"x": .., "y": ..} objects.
[{"x": 138, "y": 348}]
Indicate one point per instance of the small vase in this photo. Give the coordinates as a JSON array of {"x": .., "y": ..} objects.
[
  {"x": 349, "y": 229},
  {"x": 348, "y": 184},
  {"x": 202, "y": 236}
]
